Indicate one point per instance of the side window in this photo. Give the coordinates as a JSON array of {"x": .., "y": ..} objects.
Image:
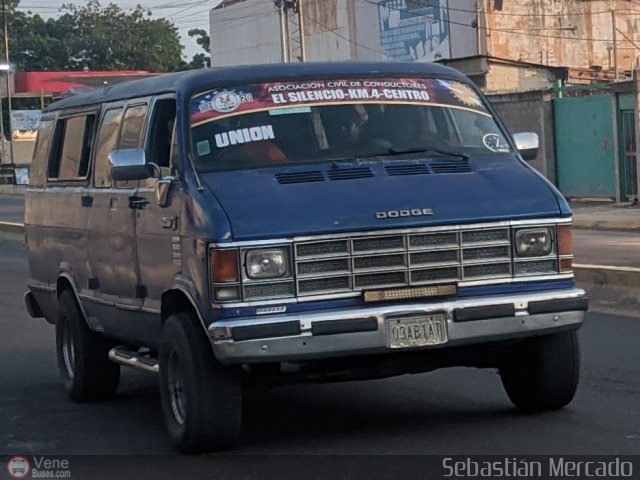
[
  {"x": 41, "y": 153},
  {"x": 159, "y": 143},
  {"x": 107, "y": 142},
  {"x": 71, "y": 148},
  {"x": 132, "y": 127}
]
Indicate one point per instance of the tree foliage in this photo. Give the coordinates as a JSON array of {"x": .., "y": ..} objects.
[
  {"x": 97, "y": 37},
  {"x": 201, "y": 60}
]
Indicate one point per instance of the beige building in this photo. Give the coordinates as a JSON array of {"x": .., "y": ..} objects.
[
  {"x": 509, "y": 45},
  {"x": 597, "y": 35}
]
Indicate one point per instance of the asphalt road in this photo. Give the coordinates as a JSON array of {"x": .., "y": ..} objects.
[
  {"x": 607, "y": 247},
  {"x": 11, "y": 208},
  {"x": 455, "y": 411}
]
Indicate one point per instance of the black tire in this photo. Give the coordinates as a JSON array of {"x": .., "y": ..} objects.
[
  {"x": 83, "y": 359},
  {"x": 201, "y": 400},
  {"x": 542, "y": 373}
]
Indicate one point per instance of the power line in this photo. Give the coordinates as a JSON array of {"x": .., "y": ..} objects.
[
  {"x": 339, "y": 35},
  {"x": 502, "y": 30}
]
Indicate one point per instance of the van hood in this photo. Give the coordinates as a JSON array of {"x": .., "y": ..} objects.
[{"x": 363, "y": 196}]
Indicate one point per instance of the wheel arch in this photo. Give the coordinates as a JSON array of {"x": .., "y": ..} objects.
[
  {"x": 66, "y": 282},
  {"x": 178, "y": 299}
]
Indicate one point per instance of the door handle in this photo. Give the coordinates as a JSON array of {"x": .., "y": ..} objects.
[{"x": 137, "y": 203}]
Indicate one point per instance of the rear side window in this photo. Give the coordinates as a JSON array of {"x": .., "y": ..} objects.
[
  {"x": 71, "y": 148},
  {"x": 41, "y": 153}
]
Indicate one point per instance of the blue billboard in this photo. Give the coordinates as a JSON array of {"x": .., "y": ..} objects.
[{"x": 414, "y": 30}]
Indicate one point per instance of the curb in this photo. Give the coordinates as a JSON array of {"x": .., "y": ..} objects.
[
  {"x": 12, "y": 227},
  {"x": 12, "y": 190},
  {"x": 584, "y": 223}
]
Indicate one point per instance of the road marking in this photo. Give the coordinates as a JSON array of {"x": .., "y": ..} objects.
[{"x": 607, "y": 267}]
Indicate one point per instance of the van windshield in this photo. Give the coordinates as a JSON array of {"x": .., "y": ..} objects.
[{"x": 289, "y": 123}]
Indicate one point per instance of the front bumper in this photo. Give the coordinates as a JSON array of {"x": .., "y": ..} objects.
[{"x": 361, "y": 331}]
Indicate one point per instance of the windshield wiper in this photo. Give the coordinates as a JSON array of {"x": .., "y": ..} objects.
[{"x": 393, "y": 152}]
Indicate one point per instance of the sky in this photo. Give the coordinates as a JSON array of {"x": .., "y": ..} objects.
[{"x": 185, "y": 14}]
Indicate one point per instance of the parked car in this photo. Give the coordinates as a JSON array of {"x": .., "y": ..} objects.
[{"x": 331, "y": 221}]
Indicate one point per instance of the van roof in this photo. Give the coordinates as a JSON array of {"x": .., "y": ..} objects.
[{"x": 189, "y": 82}]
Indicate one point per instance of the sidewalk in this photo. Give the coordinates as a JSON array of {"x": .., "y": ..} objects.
[{"x": 606, "y": 216}]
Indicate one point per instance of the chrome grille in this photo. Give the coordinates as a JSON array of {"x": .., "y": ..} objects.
[
  {"x": 331, "y": 284},
  {"x": 380, "y": 243},
  {"x": 267, "y": 290},
  {"x": 433, "y": 240},
  {"x": 322, "y": 248},
  {"x": 536, "y": 267},
  {"x": 406, "y": 259},
  {"x": 324, "y": 266},
  {"x": 364, "y": 263}
]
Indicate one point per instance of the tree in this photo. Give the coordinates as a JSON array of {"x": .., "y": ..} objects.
[
  {"x": 93, "y": 37},
  {"x": 201, "y": 60}
]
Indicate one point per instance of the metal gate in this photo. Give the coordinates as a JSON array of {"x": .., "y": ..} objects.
[
  {"x": 628, "y": 157},
  {"x": 585, "y": 146}
]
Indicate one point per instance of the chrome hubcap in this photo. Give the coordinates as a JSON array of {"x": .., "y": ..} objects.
[
  {"x": 176, "y": 388},
  {"x": 68, "y": 351}
]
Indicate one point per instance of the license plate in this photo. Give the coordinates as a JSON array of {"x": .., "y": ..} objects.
[{"x": 418, "y": 331}]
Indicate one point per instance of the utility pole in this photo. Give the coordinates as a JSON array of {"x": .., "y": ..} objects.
[
  {"x": 303, "y": 52},
  {"x": 615, "y": 44},
  {"x": 283, "y": 10},
  {"x": 284, "y": 7},
  {"x": 6, "y": 55}
]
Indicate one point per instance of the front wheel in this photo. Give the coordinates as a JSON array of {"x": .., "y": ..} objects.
[
  {"x": 201, "y": 400},
  {"x": 542, "y": 373}
]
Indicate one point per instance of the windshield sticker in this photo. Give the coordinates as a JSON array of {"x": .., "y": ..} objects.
[
  {"x": 203, "y": 147},
  {"x": 272, "y": 96},
  {"x": 494, "y": 142},
  {"x": 289, "y": 111},
  {"x": 464, "y": 93},
  {"x": 244, "y": 135},
  {"x": 223, "y": 102}
]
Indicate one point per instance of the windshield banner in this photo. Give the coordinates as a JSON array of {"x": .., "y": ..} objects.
[{"x": 216, "y": 104}]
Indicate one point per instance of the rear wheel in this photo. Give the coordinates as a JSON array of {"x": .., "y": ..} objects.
[
  {"x": 83, "y": 359},
  {"x": 201, "y": 400},
  {"x": 542, "y": 373}
]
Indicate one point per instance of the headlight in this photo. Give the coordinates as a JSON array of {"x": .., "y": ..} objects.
[
  {"x": 533, "y": 242},
  {"x": 271, "y": 263}
]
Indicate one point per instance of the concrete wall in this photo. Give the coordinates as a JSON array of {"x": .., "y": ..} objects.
[
  {"x": 327, "y": 27},
  {"x": 531, "y": 112},
  {"x": 506, "y": 78},
  {"x": 245, "y": 32},
  {"x": 555, "y": 32}
]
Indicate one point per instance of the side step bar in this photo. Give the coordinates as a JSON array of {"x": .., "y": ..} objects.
[{"x": 139, "y": 360}]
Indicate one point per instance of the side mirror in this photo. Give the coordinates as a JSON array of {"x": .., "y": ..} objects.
[
  {"x": 527, "y": 144},
  {"x": 130, "y": 165}
]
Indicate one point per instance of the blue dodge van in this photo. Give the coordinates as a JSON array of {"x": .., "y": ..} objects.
[{"x": 280, "y": 223}]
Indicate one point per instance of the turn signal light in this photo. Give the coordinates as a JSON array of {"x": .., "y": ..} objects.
[
  {"x": 565, "y": 248},
  {"x": 224, "y": 266},
  {"x": 565, "y": 240}
]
